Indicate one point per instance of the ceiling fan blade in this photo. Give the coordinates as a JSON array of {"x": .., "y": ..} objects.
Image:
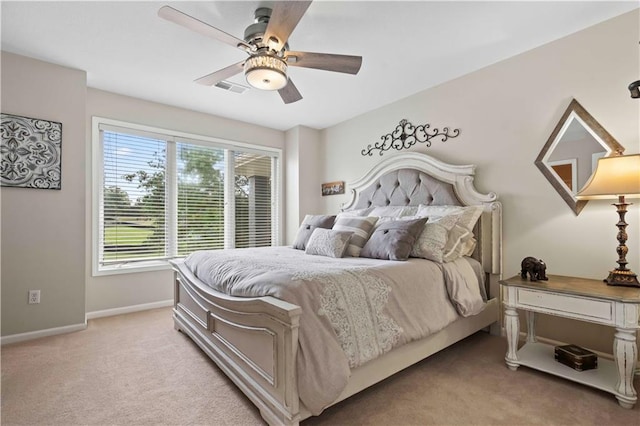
[
  {"x": 223, "y": 74},
  {"x": 285, "y": 15},
  {"x": 180, "y": 18},
  {"x": 289, "y": 93},
  {"x": 325, "y": 61}
]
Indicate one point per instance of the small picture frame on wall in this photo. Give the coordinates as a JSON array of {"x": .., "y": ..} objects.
[
  {"x": 333, "y": 188},
  {"x": 30, "y": 152}
]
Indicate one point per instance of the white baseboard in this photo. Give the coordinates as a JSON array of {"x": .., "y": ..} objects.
[
  {"x": 21, "y": 337},
  {"x": 129, "y": 309}
]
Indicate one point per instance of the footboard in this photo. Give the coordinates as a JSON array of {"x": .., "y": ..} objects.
[{"x": 253, "y": 340}]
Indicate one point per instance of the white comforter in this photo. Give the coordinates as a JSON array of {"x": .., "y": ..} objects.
[{"x": 353, "y": 309}]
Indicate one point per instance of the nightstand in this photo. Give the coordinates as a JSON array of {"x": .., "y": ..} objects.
[{"x": 584, "y": 300}]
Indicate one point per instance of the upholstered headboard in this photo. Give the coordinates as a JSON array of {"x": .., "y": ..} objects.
[
  {"x": 410, "y": 179},
  {"x": 407, "y": 187}
]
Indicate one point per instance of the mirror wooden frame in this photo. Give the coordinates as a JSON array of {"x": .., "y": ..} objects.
[{"x": 595, "y": 128}]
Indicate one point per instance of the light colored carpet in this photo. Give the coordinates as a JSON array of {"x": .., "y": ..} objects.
[{"x": 136, "y": 369}]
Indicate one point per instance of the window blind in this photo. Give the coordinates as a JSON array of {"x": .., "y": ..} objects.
[
  {"x": 164, "y": 196},
  {"x": 200, "y": 175},
  {"x": 133, "y": 200},
  {"x": 253, "y": 199}
]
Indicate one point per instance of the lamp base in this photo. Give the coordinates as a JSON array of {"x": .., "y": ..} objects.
[{"x": 623, "y": 278}]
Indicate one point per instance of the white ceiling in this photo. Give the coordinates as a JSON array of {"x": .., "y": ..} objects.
[{"x": 406, "y": 47}]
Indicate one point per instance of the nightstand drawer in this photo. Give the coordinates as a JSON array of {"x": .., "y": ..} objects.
[{"x": 566, "y": 305}]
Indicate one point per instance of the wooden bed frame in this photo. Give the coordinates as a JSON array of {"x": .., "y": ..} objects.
[{"x": 255, "y": 340}]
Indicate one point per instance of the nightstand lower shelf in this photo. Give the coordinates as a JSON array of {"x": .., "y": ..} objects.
[{"x": 539, "y": 356}]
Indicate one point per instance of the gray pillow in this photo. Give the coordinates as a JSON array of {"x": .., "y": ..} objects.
[
  {"x": 393, "y": 240},
  {"x": 309, "y": 224}
]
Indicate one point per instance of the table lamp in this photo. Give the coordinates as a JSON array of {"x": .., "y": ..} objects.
[{"x": 617, "y": 176}]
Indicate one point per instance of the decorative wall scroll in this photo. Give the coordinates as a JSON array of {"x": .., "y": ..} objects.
[
  {"x": 333, "y": 188},
  {"x": 30, "y": 152},
  {"x": 405, "y": 135}
]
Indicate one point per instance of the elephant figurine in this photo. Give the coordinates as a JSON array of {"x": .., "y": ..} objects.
[{"x": 536, "y": 269}]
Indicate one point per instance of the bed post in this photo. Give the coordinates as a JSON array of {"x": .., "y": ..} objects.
[{"x": 491, "y": 253}]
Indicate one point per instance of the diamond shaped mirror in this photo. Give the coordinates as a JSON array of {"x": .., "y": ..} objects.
[{"x": 571, "y": 153}]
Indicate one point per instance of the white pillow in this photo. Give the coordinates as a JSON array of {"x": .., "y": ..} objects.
[
  {"x": 438, "y": 211},
  {"x": 361, "y": 227},
  {"x": 431, "y": 243},
  {"x": 393, "y": 211},
  {"x": 468, "y": 216},
  {"x": 356, "y": 213},
  {"x": 469, "y": 246},
  {"x": 385, "y": 219},
  {"x": 327, "y": 242},
  {"x": 456, "y": 240},
  {"x": 460, "y": 241}
]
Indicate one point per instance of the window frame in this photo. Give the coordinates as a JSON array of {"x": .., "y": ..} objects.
[{"x": 97, "y": 172}]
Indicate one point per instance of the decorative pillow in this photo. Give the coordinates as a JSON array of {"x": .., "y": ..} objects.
[
  {"x": 467, "y": 216},
  {"x": 464, "y": 248},
  {"x": 469, "y": 246},
  {"x": 433, "y": 239},
  {"x": 393, "y": 211},
  {"x": 470, "y": 216},
  {"x": 309, "y": 224},
  {"x": 459, "y": 237},
  {"x": 456, "y": 240},
  {"x": 328, "y": 242},
  {"x": 361, "y": 227},
  {"x": 393, "y": 240}
]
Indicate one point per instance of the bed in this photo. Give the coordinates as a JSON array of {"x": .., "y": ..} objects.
[{"x": 258, "y": 342}]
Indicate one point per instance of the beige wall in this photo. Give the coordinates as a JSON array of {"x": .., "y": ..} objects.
[
  {"x": 122, "y": 290},
  {"x": 46, "y": 235},
  {"x": 43, "y": 234},
  {"x": 506, "y": 113},
  {"x": 302, "y": 186}
]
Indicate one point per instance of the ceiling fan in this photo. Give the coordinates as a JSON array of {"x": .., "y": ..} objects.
[{"x": 265, "y": 41}]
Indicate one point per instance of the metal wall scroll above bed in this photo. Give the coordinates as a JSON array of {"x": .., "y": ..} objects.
[{"x": 406, "y": 135}]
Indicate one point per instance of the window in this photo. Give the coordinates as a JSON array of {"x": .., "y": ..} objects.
[{"x": 162, "y": 194}]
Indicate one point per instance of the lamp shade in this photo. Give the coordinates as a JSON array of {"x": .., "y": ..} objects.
[
  {"x": 614, "y": 176},
  {"x": 266, "y": 72}
]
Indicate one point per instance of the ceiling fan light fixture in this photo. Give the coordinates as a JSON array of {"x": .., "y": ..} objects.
[
  {"x": 266, "y": 43},
  {"x": 266, "y": 72}
]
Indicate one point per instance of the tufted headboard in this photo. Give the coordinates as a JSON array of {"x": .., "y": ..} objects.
[
  {"x": 407, "y": 187},
  {"x": 410, "y": 179}
]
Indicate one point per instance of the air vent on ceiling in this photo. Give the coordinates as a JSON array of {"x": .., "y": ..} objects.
[{"x": 232, "y": 87}]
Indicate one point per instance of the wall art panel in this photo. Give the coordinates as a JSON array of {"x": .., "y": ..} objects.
[{"x": 30, "y": 152}]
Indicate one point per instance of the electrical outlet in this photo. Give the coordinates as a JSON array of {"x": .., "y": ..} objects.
[{"x": 34, "y": 296}]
